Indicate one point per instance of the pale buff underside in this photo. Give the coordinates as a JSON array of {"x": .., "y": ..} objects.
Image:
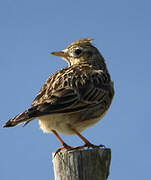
[{"x": 62, "y": 123}]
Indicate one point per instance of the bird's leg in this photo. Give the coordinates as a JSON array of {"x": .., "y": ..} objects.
[
  {"x": 87, "y": 143},
  {"x": 65, "y": 146}
]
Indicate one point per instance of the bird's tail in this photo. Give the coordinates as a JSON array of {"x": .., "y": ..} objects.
[{"x": 24, "y": 117}]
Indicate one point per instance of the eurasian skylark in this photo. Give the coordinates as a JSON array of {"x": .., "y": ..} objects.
[{"x": 74, "y": 98}]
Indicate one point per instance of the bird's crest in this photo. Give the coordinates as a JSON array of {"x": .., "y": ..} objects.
[{"x": 85, "y": 41}]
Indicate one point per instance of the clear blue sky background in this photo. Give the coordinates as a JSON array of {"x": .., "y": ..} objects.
[{"x": 29, "y": 30}]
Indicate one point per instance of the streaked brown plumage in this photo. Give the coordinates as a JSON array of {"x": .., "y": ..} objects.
[{"x": 75, "y": 97}]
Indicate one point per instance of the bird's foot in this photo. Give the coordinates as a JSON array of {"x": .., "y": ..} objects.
[
  {"x": 65, "y": 146},
  {"x": 89, "y": 145},
  {"x": 68, "y": 148}
]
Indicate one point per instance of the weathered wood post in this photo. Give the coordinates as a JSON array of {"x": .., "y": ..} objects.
[{"x": 91, "y": 164}]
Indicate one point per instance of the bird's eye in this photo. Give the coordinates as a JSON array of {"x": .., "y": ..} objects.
[{"x": 78, "y": 52}]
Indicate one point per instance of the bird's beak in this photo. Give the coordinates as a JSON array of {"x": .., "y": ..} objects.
[{"x": 62, "y": 54}]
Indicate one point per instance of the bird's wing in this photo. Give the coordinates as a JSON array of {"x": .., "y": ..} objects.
[
  {"x": 67, "y": 91},
  {"x": 73, "y": 89}
]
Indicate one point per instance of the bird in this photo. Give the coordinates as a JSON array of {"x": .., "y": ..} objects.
[{"x": 73, "y": 98}]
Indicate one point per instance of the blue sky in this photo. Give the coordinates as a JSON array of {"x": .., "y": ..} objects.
[{"x": 29, "y": 31}]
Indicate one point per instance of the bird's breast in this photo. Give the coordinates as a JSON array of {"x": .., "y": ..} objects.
[{"x": 62, "y": 123}]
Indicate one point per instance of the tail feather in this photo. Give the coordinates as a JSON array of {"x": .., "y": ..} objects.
[{"x": 24, "y": 117}]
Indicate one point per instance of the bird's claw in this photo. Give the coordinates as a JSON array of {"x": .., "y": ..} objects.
[
  {"x": 70, "y": 148},
  {"x": 89, "y": 145}
]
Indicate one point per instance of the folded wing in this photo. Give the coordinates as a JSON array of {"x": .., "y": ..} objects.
[{"x": 67, "y": 93}]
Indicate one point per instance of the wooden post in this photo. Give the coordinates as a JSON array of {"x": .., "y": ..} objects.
[{"x": 91, "y": 164}]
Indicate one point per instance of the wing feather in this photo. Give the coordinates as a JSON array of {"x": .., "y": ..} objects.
[{"x": 73, "y": 89}]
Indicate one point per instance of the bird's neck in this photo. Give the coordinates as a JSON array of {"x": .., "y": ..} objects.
[{"x": 97, "y": 64}]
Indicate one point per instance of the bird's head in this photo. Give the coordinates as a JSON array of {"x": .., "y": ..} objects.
[{"x": 81, "y": 51}]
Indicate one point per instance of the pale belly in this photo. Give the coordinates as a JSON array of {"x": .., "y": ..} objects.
[{"x": 62, "y": 123}]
